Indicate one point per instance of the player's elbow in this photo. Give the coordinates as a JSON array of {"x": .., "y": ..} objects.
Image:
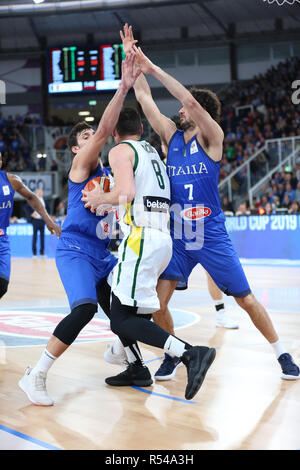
[
  {"x": 102, "y": 133},
  {"x": 190, "y": 102},
  {"x": 125, "y": 195}
]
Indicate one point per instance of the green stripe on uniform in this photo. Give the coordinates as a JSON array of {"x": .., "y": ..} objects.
[
  {"x": 137, "y": 267},
  {"x": 123, "y": 257},
  {"x": 136, "y": 157}
]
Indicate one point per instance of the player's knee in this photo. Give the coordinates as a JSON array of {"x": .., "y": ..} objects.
[
  {"x": 3, "y": 287},
  {"x": 247, "y": 302},
  {"x": 69, "y": 328}
]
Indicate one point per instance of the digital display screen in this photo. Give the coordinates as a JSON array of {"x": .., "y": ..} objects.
[{"x": 80, "y": 69}]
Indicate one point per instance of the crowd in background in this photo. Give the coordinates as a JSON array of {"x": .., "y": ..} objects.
[
  {"x": 15, "y": 149},
  {"x": 269, "y": 113},
  {"x": 272, "y": 115}
]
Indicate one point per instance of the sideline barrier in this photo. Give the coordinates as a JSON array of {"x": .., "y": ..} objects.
[{"x": 254, "y": 237}]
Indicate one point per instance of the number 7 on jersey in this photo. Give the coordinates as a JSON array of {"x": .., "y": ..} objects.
[{"x": 190, "y": 187}]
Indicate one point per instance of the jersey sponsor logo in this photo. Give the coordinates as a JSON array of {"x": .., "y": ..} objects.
[
  {"x": 5, "y": 205},
  {"x": 40, "y": 325},
  {"x": 106, "y": 227},
  {"x": 195, "y": 213},
  {"x": 6, "y": 190},
  {"x": 194, "y": 147},
  {"x": 196, "y": 169},
  {"x": 156, "y": 204}
]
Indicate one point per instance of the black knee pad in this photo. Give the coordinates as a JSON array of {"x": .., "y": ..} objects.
[
  {"x": 3, "y": 286},
  {"x": 103, "y": 295},
  {"x": 69, "y": 328}
]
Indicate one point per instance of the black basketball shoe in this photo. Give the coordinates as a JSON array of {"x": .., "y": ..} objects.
[
  {"x": 197, "y": 360},
  {"x": 135, "y": 374}
]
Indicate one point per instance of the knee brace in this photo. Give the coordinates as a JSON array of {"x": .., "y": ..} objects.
[
  {"x": 69, "y": 328},
  {"x": 3, "y": 286},
  {"x": 103, "y": 295}
]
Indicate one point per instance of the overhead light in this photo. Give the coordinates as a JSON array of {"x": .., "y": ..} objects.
[
  {"x": 92, "y": 103},
  {"x": 90, "y": 118},
  {"x": 38, "y": 1},
  {"x": 84, "y": 113}
]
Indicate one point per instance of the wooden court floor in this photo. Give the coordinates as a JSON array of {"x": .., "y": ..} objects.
[{"x": 243, "y": 403}]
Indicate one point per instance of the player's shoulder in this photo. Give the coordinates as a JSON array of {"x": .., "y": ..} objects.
[{"x": 13, "y": 179}]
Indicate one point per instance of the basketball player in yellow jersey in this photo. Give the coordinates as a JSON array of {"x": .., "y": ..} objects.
[{"x": 142, "y": 190}]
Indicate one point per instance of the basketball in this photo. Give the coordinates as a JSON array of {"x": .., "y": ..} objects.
[{"x": 102, "y": 180}]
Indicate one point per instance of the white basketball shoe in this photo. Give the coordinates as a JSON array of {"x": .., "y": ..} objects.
[
  {"x": 115, "y": 358},
  {"x": 224, "y": 321},
  {"x": 34, "y": 385}
]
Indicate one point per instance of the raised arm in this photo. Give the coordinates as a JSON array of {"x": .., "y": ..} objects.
[
  {"x": 87, "y": 157},
  {"x": 34, "y": 202},
  {"x": 208, "y": 126},
  {"x": 161, "y": 124}
]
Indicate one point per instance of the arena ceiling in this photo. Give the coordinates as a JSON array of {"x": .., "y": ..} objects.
[{"x": 25, "y": 25}]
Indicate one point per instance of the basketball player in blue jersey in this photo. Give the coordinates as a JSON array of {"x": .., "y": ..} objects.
[
  {"x": 193, "y": 164},
  {"x": 8, "y": 185},
  {"x": 82, "y": 257}
]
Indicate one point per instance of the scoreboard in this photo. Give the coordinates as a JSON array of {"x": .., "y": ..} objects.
[{"x": 80, "y": 69}]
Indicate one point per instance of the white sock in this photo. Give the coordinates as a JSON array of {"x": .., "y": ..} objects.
[
  {"x": 131, "y": 357},
  {"x": 175, "y": 346},
  {"x": 118, "y": 347},
  {"x": 46, "y": 361},
  {"x": 278, "y": 348}
]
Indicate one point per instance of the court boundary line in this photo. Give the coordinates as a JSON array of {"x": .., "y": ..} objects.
[{"x": 28, "y": 438}]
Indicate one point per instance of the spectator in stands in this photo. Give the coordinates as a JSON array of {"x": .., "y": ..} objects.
[
  {"x": 297, "y": 192},
  {"x": 269, "y": 210},
  {"x": 286, "y": 201},
  {"x": 227, "y": 205},
  {"x": 280, "y": 191},
  {"x": 289, "y": 191},
  {"x": 243, "y": 209},
  {"x": 294, "y": 208}
]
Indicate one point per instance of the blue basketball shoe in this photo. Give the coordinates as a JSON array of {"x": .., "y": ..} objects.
[
  {"x": 168, "y": 368},
  {"x": 290, "y": 371}
]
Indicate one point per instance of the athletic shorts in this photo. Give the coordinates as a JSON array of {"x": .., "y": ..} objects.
[
  {"x": 82, "y": 267},
  {"x": 217, "y": 256},
  {"x": 143, "y": 255},
  {"x": 4, "y": 257}
]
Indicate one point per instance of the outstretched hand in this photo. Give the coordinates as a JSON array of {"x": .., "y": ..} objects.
[
  {"x": 127, "y": 38},
  {"x": 129, "y": 74},
  {"x": 143, "y": 64}
]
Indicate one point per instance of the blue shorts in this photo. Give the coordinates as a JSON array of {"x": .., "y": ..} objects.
[
  {"x": 82, "y": 267},
  {"x": 4, "y": 257},
  {"x": 217, "y": 256}
]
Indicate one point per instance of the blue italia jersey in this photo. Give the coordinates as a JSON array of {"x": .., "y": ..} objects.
[
  {"x": 194, "y": 179},
  {"x": 6, "y": 201},
  {"x": 81, "y": 221}
]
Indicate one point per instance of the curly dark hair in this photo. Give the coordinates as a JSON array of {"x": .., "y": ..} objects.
[{"x": 209, "y": 101}]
